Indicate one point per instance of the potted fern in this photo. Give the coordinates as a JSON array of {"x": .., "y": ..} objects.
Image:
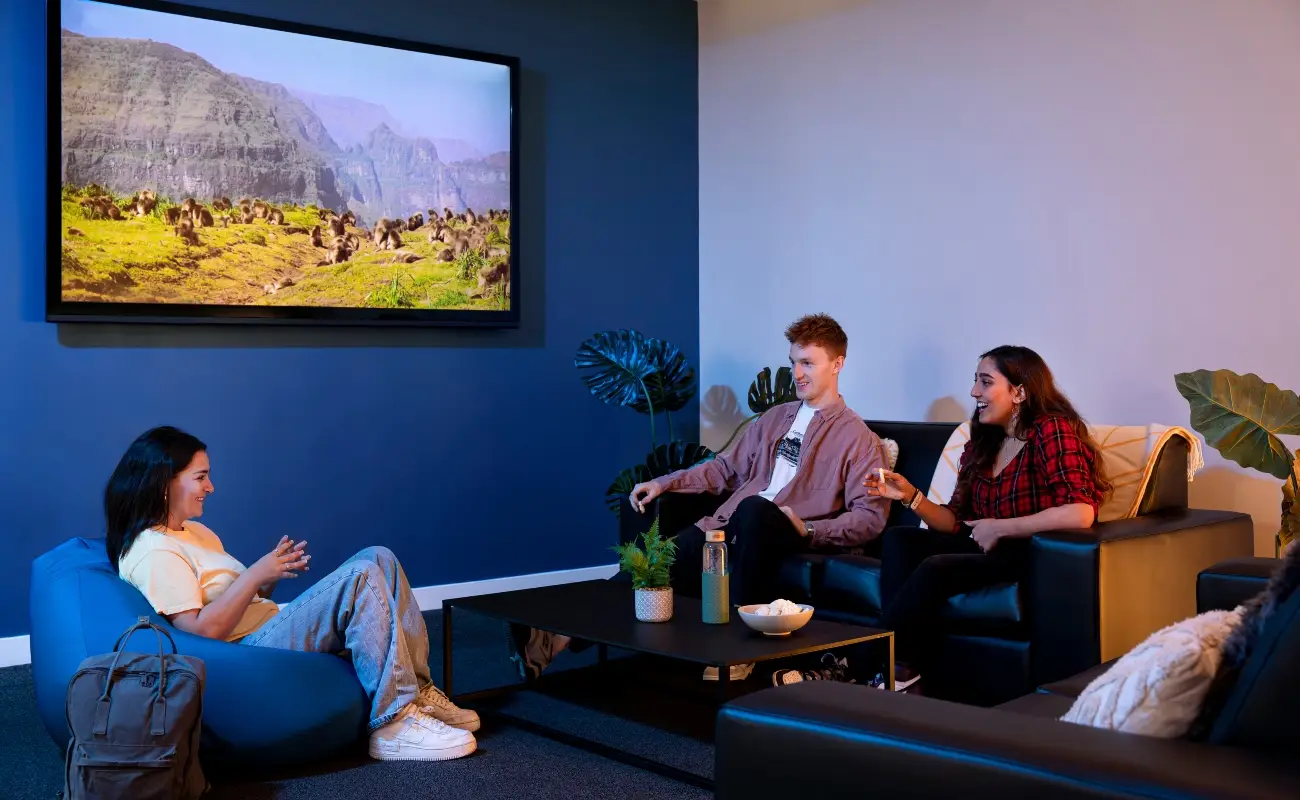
[{"x": 650, "y": 565}]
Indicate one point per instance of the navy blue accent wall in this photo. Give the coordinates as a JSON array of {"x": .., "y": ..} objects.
[{"x": 473, "y": 454}]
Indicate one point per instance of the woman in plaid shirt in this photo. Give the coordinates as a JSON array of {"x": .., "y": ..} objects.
[{"x": 1030, "y": 466}]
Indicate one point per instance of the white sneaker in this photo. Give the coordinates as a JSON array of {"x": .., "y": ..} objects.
[
  {"x": 416, "y": 736},
  {"x": 433, "y": 702},
  {"x": 739, "y": 672}
]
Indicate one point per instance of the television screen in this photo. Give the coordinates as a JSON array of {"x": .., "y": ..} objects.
[{"x": 219, "y": 167}]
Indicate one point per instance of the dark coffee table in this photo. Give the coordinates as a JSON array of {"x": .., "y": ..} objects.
[{"x": 601, "y": 611}]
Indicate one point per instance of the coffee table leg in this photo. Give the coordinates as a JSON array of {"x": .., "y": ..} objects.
[
  {"x": 446, "y": 647},
  {"x": 724, "y": 683},
  {"x": 891, "y": 662}
]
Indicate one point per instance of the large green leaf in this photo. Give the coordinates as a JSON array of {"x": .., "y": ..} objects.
[
  {"x": 672, "y": 384},
  {"x": 764, "y": 394},
  {"x": 627, "y": 368},
  {"x": 617, "y": 364},
  {"x": 665, "y": 459},
  {"x": 1241, "y": 416}
]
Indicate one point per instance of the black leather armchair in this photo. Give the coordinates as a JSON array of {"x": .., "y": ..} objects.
[
  {"x": 1091, "y": 594},
  {"x": 830, "y": 740}
]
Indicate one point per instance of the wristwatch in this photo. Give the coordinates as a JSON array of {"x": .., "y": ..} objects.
[{"x": 808, "y": 529}]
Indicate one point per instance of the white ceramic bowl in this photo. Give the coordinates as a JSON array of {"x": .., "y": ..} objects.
[{"x": 775, "y": 625}]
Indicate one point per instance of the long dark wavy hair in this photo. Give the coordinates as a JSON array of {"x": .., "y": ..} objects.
[
  {"x": 1023, "y": 367},
  {"x": 135, "y": 498}
]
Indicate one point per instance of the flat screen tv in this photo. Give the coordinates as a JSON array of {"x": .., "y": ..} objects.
[{"x": 217, "y": 167}]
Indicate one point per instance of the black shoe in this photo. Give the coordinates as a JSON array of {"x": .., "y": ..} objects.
[
  {"x": 517, "y": 639},
  {"x": 833, "y": 669},
  {"x": 905, "y": 680}
]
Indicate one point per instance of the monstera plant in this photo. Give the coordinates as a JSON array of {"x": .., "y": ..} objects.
[
  {"x": 1242, "y": 417},
  {"x": 648, "y": 375},
  {"x": 763, "y": 395}
]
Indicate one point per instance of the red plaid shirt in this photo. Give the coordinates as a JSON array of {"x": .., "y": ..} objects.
[{"x": 1052, "y": 469}]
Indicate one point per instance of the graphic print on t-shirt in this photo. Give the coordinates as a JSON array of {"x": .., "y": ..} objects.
[
  {"x": 787, "y": 454},
  {"x": 788, "y": 450}
]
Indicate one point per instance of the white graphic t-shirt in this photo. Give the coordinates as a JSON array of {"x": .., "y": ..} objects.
[{"x": 787, "y": 453}]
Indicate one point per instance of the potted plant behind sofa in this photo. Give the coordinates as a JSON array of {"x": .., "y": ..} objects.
[
  {"x": 1241, "y": 416},
  {"x": 650, "y": 566},
  {"x": 650, "y": 376}
]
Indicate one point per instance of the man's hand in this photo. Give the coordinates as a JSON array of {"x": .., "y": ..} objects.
[
  {"x": 987, "y": 532},
  {"x": 643, "y": 493},
  {"x": 794, "y": 519},
  {"x": 284, "y": 561}
]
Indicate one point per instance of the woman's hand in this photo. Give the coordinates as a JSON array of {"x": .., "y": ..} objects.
[
  {"x": 894, "y": 486},
  {"x": 987, "y": 532},
  {"x": 282, "y": 562}
]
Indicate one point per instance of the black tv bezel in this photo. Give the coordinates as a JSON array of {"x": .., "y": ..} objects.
[{"x": 59, "y": 310}]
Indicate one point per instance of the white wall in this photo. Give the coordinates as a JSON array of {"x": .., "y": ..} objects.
[{"x": 1115, "y": 184}]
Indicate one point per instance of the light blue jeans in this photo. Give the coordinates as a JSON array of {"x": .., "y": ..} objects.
[{"x": 364, "y": 609}]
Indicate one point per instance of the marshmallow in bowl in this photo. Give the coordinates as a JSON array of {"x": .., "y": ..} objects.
[{"x": 778, "y": 608}]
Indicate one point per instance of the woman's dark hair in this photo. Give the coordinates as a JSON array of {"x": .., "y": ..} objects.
[
  {"x": 1023, "y": 367},
  {"x": 135, "y": 498}
]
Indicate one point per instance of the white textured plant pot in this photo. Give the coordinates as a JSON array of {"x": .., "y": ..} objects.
[{"x": 654, "y": 605}]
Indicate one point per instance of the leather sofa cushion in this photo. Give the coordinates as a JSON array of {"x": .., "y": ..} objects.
[
  {"x": 1038, "y": 704},
  {"x": 800, "y": 578},
  {"x": 1230, "y": 583},
  {"x": 992, "y": 611},
  {"x": 1074, "y": 685},
  {"x": 1263, "y": 706},
  {"x": 852, "y": 584}
]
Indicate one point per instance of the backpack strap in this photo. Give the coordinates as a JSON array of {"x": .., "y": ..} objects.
[{"x": 160, "y": 706}]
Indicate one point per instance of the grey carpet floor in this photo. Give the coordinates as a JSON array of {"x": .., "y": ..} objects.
[{"x": 510, "y": 762}]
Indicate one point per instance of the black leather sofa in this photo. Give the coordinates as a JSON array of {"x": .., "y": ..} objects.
[
  {"x": 832, "y": 740},
  {"x": 1091, "y": 594}
]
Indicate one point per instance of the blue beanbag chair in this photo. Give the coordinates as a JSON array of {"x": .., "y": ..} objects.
[{"x": 260, "y": 705}]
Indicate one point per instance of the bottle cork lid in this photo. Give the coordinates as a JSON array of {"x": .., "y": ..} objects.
[{"x": 715, "y": 536}]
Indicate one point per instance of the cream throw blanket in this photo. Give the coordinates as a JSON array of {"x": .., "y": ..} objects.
[{"x": 1128, "y": 456}]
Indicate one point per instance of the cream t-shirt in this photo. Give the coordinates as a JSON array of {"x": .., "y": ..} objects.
[{"x": 181, "y": 570}]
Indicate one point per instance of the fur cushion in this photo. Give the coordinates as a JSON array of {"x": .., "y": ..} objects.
[
  {"x": 891, "y": 452},
  {"x": 1157, "y": 688}
]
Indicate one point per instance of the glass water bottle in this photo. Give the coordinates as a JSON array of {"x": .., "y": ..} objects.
[{"x": 716, "y": 605}]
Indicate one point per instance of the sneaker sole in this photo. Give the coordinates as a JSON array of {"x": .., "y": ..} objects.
[
  {"x": 714, "y": 676},
  {"x": 900, "y": 686},
  {"x": 446, "y": 754}
]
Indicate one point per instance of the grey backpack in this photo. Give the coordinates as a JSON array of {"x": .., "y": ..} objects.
[{"x": 135, "y": 720}]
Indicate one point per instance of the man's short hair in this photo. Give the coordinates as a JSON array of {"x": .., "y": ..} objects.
[{"x": 818, "y": 329}]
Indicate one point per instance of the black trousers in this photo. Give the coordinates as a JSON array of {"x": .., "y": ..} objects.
[
  {"x": 920, "y": 569},
  {"x": 759, "y": 537}
]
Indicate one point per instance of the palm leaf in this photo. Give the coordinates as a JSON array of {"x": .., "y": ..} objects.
[
  {"x": 617, "y": 364},
  {"x": 676, "y": 455},
  {"x": 1241, "y": 416},
  {"x": 665, "y": 459},
  {"x": 764, "y": 394},
  {"x": 623, "y": 485},
  {"x": 672, "y": 383}
]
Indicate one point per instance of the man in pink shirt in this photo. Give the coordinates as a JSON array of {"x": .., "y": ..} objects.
[{"x": 795, "y": 479}]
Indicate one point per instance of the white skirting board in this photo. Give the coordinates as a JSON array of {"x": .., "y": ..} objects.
[{"x": 16, "y": 649}]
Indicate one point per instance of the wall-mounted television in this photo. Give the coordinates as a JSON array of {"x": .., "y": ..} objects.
[{"x": 219, "y": 167}]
